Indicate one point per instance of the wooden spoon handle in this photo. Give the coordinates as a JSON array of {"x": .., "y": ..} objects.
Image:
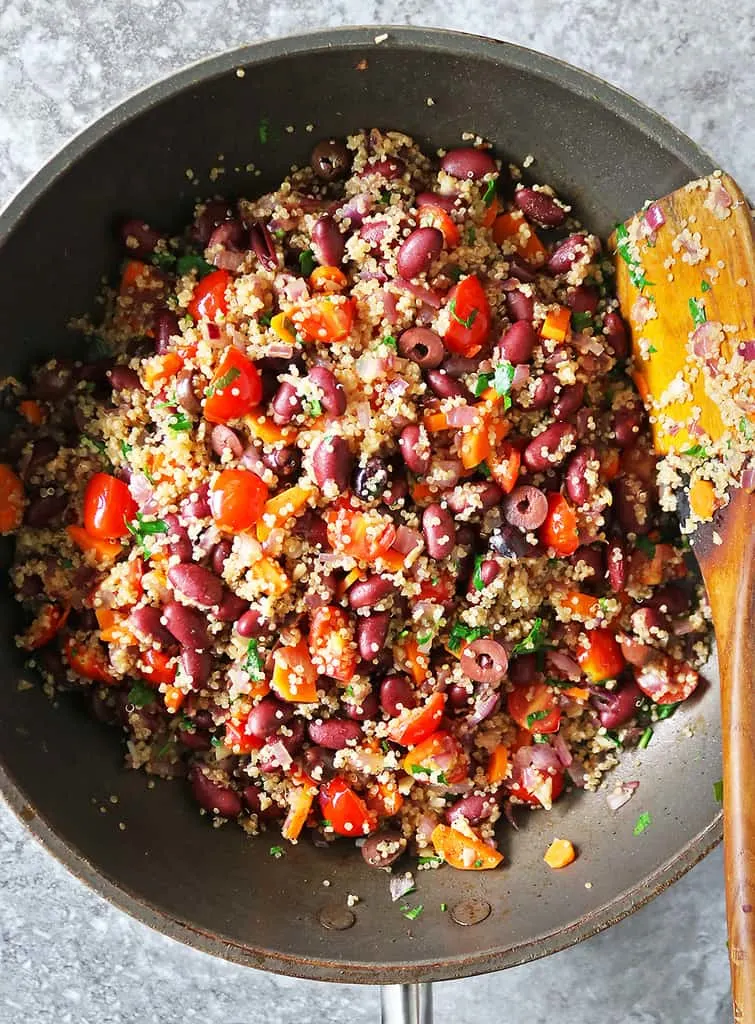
[{"x": 730, "y": 580}]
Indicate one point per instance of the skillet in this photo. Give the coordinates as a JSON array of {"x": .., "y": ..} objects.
[{"x": 215, "y": 889}]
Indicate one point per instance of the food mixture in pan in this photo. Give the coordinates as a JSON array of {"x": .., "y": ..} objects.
[{"x": 346, "y": 510}]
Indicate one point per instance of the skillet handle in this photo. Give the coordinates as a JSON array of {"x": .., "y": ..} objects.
[{"x": 406, "y": 1004}]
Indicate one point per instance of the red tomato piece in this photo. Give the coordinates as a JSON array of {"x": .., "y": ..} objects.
[
  {"x": 331, "y": 643},
  {"x": 559, "y": 531},
  {"x": 470, "y": 318},
  {"x": 666, "y": 681},
  {"x": 599, "y": 655},
  {"x": 235, "y": 389},
  {"x": 416, "y": 724},
  {"x": 237, "y": 499},
  {"x": 504, "y": 462},
  {"x": 88, "y": 658},
  {"x": 441, "y": 590},
  {"x": 435, "y": 217},
  {"x": 239, "y": 740},
  {"x": 108, "y": 507},
  {"x": 439, "y": 759},
  {"x": 158, "y": 667},
  {"x": 522, "y": 793},
  {"x": 367, "y": 535},
  {"x": 209, "y": 296},
  {"x": 324, "y": 319},
  {"x": 347, "y": 813},
  {"x": 48, "y": 622},
  {"x": 534, "y": 707}
]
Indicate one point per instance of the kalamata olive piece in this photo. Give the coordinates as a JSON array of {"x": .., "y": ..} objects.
[
  {"x": 51, "y": 382},
  {"x": 670, "y": 599},
  {"x": 211, "y": 214},
  {"x": 592, "y": 557},
  {"x": 332, "y": 461},
  {"x": 43, "y": 510},
  {"x": 418, "y": 251},
  {"x": 214, "y": 798},
  {"x": 459, "y": 696},
  {"x": 439, "y": 530},
  {"x": 396, "y": 695},
  {"x": 231, "y": 234},
  {"x": 617, "y": 707},
  {"x": 285, "y": 462},
  {"x": 526, "y": 508},
  {"x": 334, "y": 733},
  {"x": 523, "y": 669},
  {"x": 423, "y": 346},
  {"x": 185, "y": 393},
  {"x": 383, "y": 848},
  {"x": 540, "y": 207},
  {"x": 139, "y": 238},
  {"x": 467, "y": 162},
  {"x": 330, "y": 160},
  {"x": 510, "y": 542},
  {"x": 318, "y": 762},
  {"x": 371, "y": 480}
]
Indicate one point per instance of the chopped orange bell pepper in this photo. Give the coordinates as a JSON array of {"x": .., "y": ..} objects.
[
  {"x": 582, "y": 606},
  {"x": 294, "y": 675},
  {"x": 492, "y": 212},
  {"x": 173, "y": 698},
  {"x": 505, "y": 462},
  {"x": 300, "y": 799},
  {"x": 435, "y": 421},
  {"x": 11, "y": 500},
  {"x": 33, "y": 412},
  {"x": 87, "y": 658},
  {"x": 462, "y": 851},
  {"x": 327, "y": 279},
  {"x": 513, "y": 227},
  {"x": 556, "y": 324},
  {"x": 274, "y": 580},
  {"x": 282, "y": 507},
  {"x": 106, "y": 550},
  {"x": 263, "y": 429},
  {"x": 415, "y": 661},
  {"x": 385, "y": 799},
  {"x": 499, "y": 764},
  {"x": 159, "y": 369},
  {"x": 283, "y": 327},
  {"x": 702, "y": 499},
  {"x": 559, "y": 854}
]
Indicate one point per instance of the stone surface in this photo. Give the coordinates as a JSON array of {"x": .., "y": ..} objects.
[{"x": 66, "y": 955}]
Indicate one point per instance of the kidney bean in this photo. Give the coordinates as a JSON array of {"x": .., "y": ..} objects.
[
  {"x": 52, "y": 382},
  {"x": 166, "y": 327},
  {"x": 147, "y": 623},
  {"x": 418, "y": 251},
  {"x": 44, "y": 449},
  {"x": 565, "y": 255},
  {"x": 445, "y": 386},
  {"x": 197, "y": 739},
  {"x": 521, "y": 269},
  {"x": 196, "y": 505},
  {"x": 475, "y": 495},
  {"x": 333, "y": 394},
  {"x": 196, "y": 583},
  {"x": 423, "y": 346},
  {"x": 313, "y": 528},
  {"x": 474, "y": 808},
  {"x": 396, "y": 694},
  {"x": 123, "y": 378},
  {"x": 517, "y": 342},
  {"x": 334, "y": 733},
  {"x": 263, "y": 246},
  {"x": 267, "y": 717},
  {"x": 371, "y": 480},
  {"x": 670, "y": 599},
  {"x": 231, "y": 234},
  {"x": 569, "y": 399},
  {"x": 286, "y": 403},
  {"x": 523, "y": 669},
  {"x": 390, "y": 167},
  {"x": 213, "y": 213},
  {"x": 540, "y": 207},
  {"x": 627, "y": 422},
  {"x": 615, "y": 334},
  {"x": 285, "y": 462},
  {"x": 439, "y": 530},
  {"x": 518, "y": 305},
  {"x": 459, "y": 696},
  {"x": 179, "y": 542},
  {"x": 396, "y": 492},
  {"x": 550, "y": 447},
  {"x": 636, "y": 653},
  {"x": 593, "y": 559},
  {"x": 617, "y": 707},
  {"x": 511, "y": 543},
  {"x": 139, "y": 238},
  {"x": 467, "y": 162},
  {"x": 330, "y": 160},
  {"x": 224, "y": 439},
  {"x": 197, "y": 666},
  {"x": 383, "y": 848},
  {"x": 363, "y": 712},
  {"x": 214, "y": 798},
  {"x": 616, "y": 565},
  {"x": 371, "y": 591},
  {"x": 372, "y": 631},
  {"x": 526, "y": 508},
  {"x": 319, "y": 762},
  {"x": 219, "y": 555},
  {"x": 458, "y": 366},
  {"x": 328, "y": 244},
  {"x": 41, "y": 511},
  {"x": 415, "y": 449},
  {"x": 576, "y": 478},
  {"x": 332, "y": 462},
  {"x": 252, "y": 623},
  {"x": 185, "y": 393},
  {"x": 187, "y": 625},
  {"x": 445, "y": 202},
  {"x": 231, "y": 607},
  {"x": 647, "y": 620},
  {"x": 544, "y": 392},
  {"x": 632, "y": 504},
  {"x": 583, "y": 299},
  {"x": 489, "y": 570}
]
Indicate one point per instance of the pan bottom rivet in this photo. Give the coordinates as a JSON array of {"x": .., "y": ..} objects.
[
  {"x": 469, "y": 912},
  {"x": 336, "y": 919}
]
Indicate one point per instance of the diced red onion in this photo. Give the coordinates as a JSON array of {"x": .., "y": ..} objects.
[
  {"x": 695, "y": 429},
  {"x": 406, "y": 540},
  {"x": 492, "y": 673},
  {"x": 654, "y": 216},
  {"x": 562, "y": 750},
  {"x": 564, "y": 663},
  {"x": 462, "y": 416},
  {"x": 621, "y": 795},
  {"x": 540, "y": 756},
  {"x": 228, "y": 259},
  {"x": 208, "y": 539},
  {"x": 356, "y": 209},
  {"x": 485, "y": 705},
  {"x": 748, "y": 480},
  {"x": 280, "y": 350},
  {"x": 746, "y": 349},
  {"x": 277, "y": 752},
  {"x": 576, "y": 772},
  {"x": 423, "y": 294},
  {"x": 364, "y": 415},
  {"x": 508, "y": 813},
  {"x": 400, "y": 885},
  {"x": 445, "y": 473},
  {"x": 369, "y": 367},
  {"x": 373, "y": 275},
  {"x": 251, "y": 460},
  {"x": 397, "y": 386},
  {"x": 293, "y": 289},
  {"x": 521, "y": 376},
  {"x": 642, "y": 311},
  {"x": 389, "y": 306},
  {"x": 719, "y": 200},
  {"x": 589, "y": 343},
  {"x": 142, "y": 492}
]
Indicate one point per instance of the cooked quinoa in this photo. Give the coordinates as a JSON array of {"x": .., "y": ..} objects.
[{"x": 347, "y": 512}]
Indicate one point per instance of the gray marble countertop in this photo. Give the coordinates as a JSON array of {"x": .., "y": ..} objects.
[{"x": 65, "y": 954}]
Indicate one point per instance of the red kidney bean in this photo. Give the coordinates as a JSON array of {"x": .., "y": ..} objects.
[
  {"x": 187, "y": 625},
  {"x": 371, "y": 591},
  {"x": 123, "y": 378},
  {"x": 219, "y": 555},
  {"x": 197, "y": 666},
  {"x": 565, "y": 255},
  {"x": 396, "y": 694},
  {"x": 363, "y": 712},
  {"x": 179, "y": 542},
  {"x": 439, "y": 530},
  {"x": 646, "y": 620},
  {"x": 214, "y": 798},
  {"x": 569, "y": 399},
  {"x": 286, "y": 403},
  {"x": 166, "y": 327},
  {"x": 521, "y": 269},
  {"x": 263, "y": 245},
  {"x": 526, "y": 508},
  {"x": 415, "y": 449},
  {"x": 332, "y": 462},
  {"x": 328, "y": 244},
  {"x": 319, "y": 762},
  {"x": 523, "y": 669},
  {"x": 617, "y": 707},
  {"x": 231, "y": 607},
  {"x": 147, "y": 622},
  {"x": 475, "y": 495},
  {"x": 418, "y": 251},
  {"x": 577, "y": 484},
  {"x": 511, "y": 543},
  {"x": 334, "y": 733},
  {"x": 616, "y": 565},
  {"x": 540, "y": 207},
  {"x": 196, "y": 505},
  {"x": 583, "y": 299},
  {"x": 395, "y": 493},
  {"x": 518, "y": 305},
  {"x": 446, "y": 202},
  {"x": 330, "y": 160},
  {"x": 196, "y": 583},
  {"x": 44, "y": 449},
  {"x": 467, "y": 162},
  {"x": 252, "y": 623},
  {"x": 41, "y": 511},
  {"x": 544, "y": 392},
  {"x": 458, "y": 696},
  {"x": 333, "y": 394},
  {"x": 224, "y": 439},
  {"x": 592, "y": 557},
  {"x": 627, "y": 423},
  {"x": 267, "y": 717},
  {"x": 285, "y": 462},
  {"x": 445, "y": 386},
  {"x": 549, "y": 448},
  {"x": 390, "y": 167},
  {"x": 139, "y": 238},
  {"x": 474, "y": 808},
  {"x": 372, "y": 631},
  {"x": 313, "y": 528},
  {"x": 52, "y": 382},
  {"x": 636, "y": 653},
  {"x": 383, "y": 848},
  {"x": 213, "y": 213},
  {"x": 185, "y": 393},
  {"x": 458, "y": 366},
  {"x": 615, "y": 333},
  {"x": 423, "y": 346},
  {"x": 517, "y": 342},
  {"x": 198, "y": 739},
  {"x": 632, "y": 504},
  {"x": 670, "y": 599},
  {"x": 231, "y": 234},
  {"x": 489, "y": 570},
  {"x": 372, "y": 479}
]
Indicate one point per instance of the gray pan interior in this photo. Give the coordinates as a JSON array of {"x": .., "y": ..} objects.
[{"x": 216, "y": 889}]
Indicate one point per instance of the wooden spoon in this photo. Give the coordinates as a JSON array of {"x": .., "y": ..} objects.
[{"x": 690, "y": 288}]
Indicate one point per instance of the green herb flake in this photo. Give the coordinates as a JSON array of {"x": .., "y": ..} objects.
[
  {"x": 263, "y": 130},
  {"x": 642, "y": 824},
  {"x": 464, "y": 323},
  {"x": 385, "y": 746},
  {"x": 164, "y": 749},
  {"x": 140, "y": 529},
  {"x": 461, "y": 632},
  {"x": 444, "y": 907},
  {"x": 538, "y": 737},
  {"x": 652, "y": 350},
  {"x": 217, "y": 741},
  {"x": 477, "y": 579},
  {"x": 192, "y": 261},
  {"x": 484, "y": 470},
  {"x": 390, "y": 341},
  {"x": 604, "y": 605},
  {"x": 313, "y": 408},
  {"x": 454, "y": 273},
  {"x": 179, "y": 421},
  {"x": 489, "y": 193},
  {"x": 67, "y": 563},
  {"x": 613, "y": 736},
  {"x": 276, "y": 851},
  {"x": 536, "y": 716},
  {"x": 534, "y": 641},
  {"x": 424, "y": 639},
  {"x": 126, "y": 450},
  {"x": 745, "y": 429},
  {"x": 478, "y": 863},
  {"x": 482, "y": 383},
  {"x": 470, "y": 236},
  {"x": 429, "y": 860},
  {"x": 163, "y": 260},
  {"x": 253, "y": 664},
  {"x": 140, "y": 695},
  {"x": 581, "y": 320},
  {"x": 697, "y": 312},
  {"x": 222, "y": 382},
  {"x": 279, "y": 233},
  {"x": 186, "y": 724},
  {"x": 704, "y": 286},
  {"x": 412, "y": 913},
  {"x": 306, "y": 262},
  {"x": 697, "y": 451},
  {"x": 718, "y": 791},
  {"x": 266, "y": 319},
  {"x": 664, "y": 711},
  {"x": 636, "y": 273},
  {"x": 645, "y": 738},
  {"x": 645, "y": 545},
  {"x": 503, "y": 378}
]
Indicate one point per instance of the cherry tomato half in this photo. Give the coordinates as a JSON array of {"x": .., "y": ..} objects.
[
  {"x": 367, "y": 535},
  {"x": 599, "y": 655},
  {"x": 108, "y": 507},
  {"x": 534, "y": 707},
  {"x": 331, "y": 643},
  {"x": 88, "y": 658},
  {"x": 237, "y": 499},
  {"x": 209, "y": 296},
  {"x": 235, "y": 389},
  {"x": 530, "y": 796},
  {"x": 413, "y": 726},
  {"x": 347, "y": 813},
  {"x": 559, "y": 531},
  {"x": 158, "y": 667},
  {"x": 667, "y": 681},
  {"x": 324, "y": 319},
  {"x": 469, "y": 312},
  {"x": 438, "y": 759}
]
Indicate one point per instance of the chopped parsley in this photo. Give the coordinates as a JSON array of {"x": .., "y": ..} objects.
[
  {"x": 276, "y": 851},
  {"x": 718, "y": 791},
  {"x": 534, "y": 641},
  {"x": 538, "y": 737},
  {"x": 489, "y": 193},
  {"x": 186, "y": 724},
  {"x": 163, "y": 260},
  {"x": 536, "y": 716},
  {"x": 503, "y": 378},
  {"x": 636, "y": 273},
  {"x": 697, "y": 312},
  {"x": 97, "y": 347},
  {"x": 477, "y": 580},
  {"x": 470, "y": 236},
  {"x": 444, "y": 907},
  {"x": 432, "y": 774},
  {"x": 222, "y": 382},
  {"x": 478, "y": 863},
  {"x": 704, "y": 286},
  {"x": 581, "y": 320},
  {"x": 429, "y": 860},
  {"x": 266, "y": 319},
  {"x": 67, "y": 563},
  {"x": 390, "y": 341},
  {"x": 279, "y": 233},
  {"x": 253, "y": 663},
  {"x": 192, "y": 261},
  {"x": 646, "y": 546},
  {"x": 613, "y": 736},
  {"x": 95, "y": 444},
  {"x": 652, "y": 350},
  {"x": 745, "y": 429},
  {"x": 482, "y": 383},
  {"x": 461, "y": 633},
  {"x": 140, "y": 529},
  {"x": 313, "y": 408},
  {"x": 603, "y": 605},
  {"x": 464, "y": 323},
  {"x": 412, "y": 913},
  {"x": 126, "y": 449},
  {"x": 424, "y": 639},
  {"x": 217, "y": 741},
  {"x": 697, "y": 451},
  {"x": 645, "y": 738},
  {"x": 140, "y": 695},
  {"x": 643, "y": 822},
  {"x": 454, "y": 272},
  {"x": 664, "y": 711},
  {"x": 306, "y": 262},
  {"x": 179, "y": 421},
  {"x": 484, "y": 470},
  {"x": 263, "y": 130}
]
